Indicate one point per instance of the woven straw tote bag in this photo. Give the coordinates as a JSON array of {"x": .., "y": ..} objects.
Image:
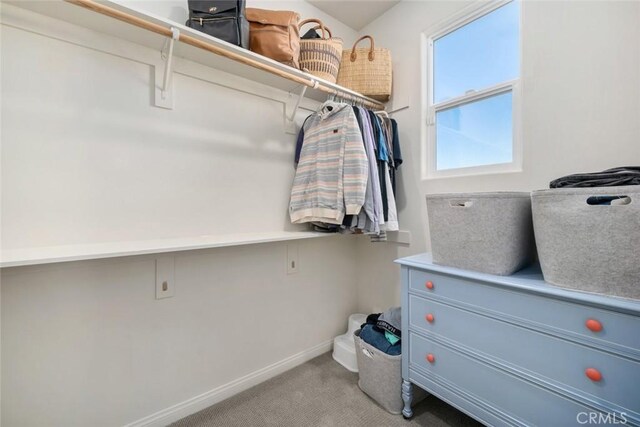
[
  {"x": 367, "y": 71},
  {"x": 321, "y": 57}
]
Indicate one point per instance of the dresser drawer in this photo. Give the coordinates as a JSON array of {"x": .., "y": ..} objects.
[
  {"x": 608, "y": 326},
  {"x": 504, "y": 393},
  {"x": 543, "y": 356}
]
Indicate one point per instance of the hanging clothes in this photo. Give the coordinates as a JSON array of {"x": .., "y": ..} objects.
[
  {"x": 381, "y": 156},
  {"x": 387, "y": 137},
  {"x": 342, "y": 151},
  {"x": 397, "y": 154},
  {"x": 332, "y": 172},
  {"x": 366, "y": 220},
  {"x": 391, "y": 224},
  {"x": 300, "y": 140},
  {"x": 384, "y": 164},
  {"x": 376, "y": 218}
]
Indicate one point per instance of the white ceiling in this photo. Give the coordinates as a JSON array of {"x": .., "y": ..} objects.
[{"x": 354, "y": 13}]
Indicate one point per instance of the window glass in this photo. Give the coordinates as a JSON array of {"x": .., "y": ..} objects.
[
  {"x": 481, "y": 54},
  {"x": 474, "y": 134}
]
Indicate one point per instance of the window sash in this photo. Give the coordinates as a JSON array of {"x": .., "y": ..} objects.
[
  {"x": 455, "y": 25},
  {"x": 468, "y": 18},
  {"x": 508, "y": 86},
  {"x": 469, "y": 157},
  {"x": 430, "y": 170}
]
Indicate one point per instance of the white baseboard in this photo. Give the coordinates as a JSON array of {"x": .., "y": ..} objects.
[{"x": 197, "y": 403}]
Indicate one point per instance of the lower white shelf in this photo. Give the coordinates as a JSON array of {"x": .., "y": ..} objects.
[
  {"x": 68, "y": 253},
  {"x": 53, "y": 254}
]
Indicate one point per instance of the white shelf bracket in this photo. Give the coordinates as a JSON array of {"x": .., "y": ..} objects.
[
  {"x": 289, "y": 118},
  {"x": 164, "y": 94},
  {"x": 292, "y": 116}
]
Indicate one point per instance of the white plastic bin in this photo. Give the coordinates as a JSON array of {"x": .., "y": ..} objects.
[
  {"x": 487, "y": 232},
  {"x": 586, "y": 245},
  {"x": 344, "y": 347}
]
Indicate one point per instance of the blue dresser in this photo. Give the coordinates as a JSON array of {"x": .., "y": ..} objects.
[{"x": 517, "y": 351}]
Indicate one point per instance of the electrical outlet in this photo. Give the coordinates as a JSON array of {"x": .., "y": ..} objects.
[
  {"x": 292, "y": 258},
  {"x": 165, "y": 277}
]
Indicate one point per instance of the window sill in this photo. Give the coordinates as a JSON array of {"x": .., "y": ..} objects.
[{"x": 473, "y": 172}]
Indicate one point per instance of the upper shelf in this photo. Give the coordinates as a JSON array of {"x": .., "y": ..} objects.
[{"x": 149, "y": 30}]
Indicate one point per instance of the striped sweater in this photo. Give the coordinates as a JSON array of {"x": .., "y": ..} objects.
[{"x": 331, "y": 177}]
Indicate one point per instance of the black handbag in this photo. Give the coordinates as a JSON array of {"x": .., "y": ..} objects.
[
  {"x": 223, "y": 19},
  {"x": 311, "y": 34}
]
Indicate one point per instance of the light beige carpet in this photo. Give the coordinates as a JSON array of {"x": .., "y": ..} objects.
[{"x": 318, "y": 393}]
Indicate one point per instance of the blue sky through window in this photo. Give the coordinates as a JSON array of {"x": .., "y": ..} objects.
[
  {"x": 475, "y": 134},
  {"x": 481, "y": 54},
  {"x": 474, "y": 57}
]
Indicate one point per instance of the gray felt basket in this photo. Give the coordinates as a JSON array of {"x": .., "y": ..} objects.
[
  {"x": 380, "y": 375},
  {"x": 590, "y": 247},
  {"x": 486, "y": 232}
]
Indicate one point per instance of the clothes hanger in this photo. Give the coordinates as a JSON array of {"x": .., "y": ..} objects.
[{"x": 331, "y": 103}]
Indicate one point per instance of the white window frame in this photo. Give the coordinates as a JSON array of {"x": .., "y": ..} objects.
[{"x": 429, "y": 109}]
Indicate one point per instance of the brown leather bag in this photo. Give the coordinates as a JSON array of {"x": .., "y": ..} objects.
[{"x": 275, "y": 34}]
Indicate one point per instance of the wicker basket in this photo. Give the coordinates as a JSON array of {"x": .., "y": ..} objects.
[
  {"x": 367, "y": 71},
  {"x": 321, "y": 57}
]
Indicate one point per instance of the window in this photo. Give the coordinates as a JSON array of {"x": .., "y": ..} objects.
[{"x": 473, "y": 70}]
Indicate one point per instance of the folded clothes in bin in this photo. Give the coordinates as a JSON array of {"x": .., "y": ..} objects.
[
  {"x": 626, "y": 175},
  {"x": 382, "y": 330},
  {"x": 379, "y": 340}
]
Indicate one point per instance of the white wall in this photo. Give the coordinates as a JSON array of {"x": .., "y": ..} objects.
[
  {"x": 87, "y": 343},
  {"x": 87, "y": 158},
  {"x": 581, "y": 109},
  {"x": 178, "y": 10}
]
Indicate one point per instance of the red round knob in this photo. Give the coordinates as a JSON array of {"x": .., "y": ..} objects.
[
  {"x": 593, "y": 374},
  {"x": 429, "y": 318},
  {"x": 429, "y": 284},
  {"x": 593, "y": 325},
  {"x": 431, "y": 358}
]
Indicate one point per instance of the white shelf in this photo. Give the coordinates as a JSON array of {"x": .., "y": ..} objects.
[
  {"x": 68, "y": 253},
  {"x": 54, "y": 254},
  {"x": 402, "y": 237},
  {"x": 98, "y": 22}
]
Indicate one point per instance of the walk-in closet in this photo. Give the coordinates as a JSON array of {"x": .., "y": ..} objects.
[{"x": 319, "y": 213}]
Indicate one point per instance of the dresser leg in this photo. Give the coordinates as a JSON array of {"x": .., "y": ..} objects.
[{"x": 407, "y": 397}]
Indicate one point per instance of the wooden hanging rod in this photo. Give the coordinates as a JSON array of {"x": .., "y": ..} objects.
[{"x": 190, "y": 40}]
